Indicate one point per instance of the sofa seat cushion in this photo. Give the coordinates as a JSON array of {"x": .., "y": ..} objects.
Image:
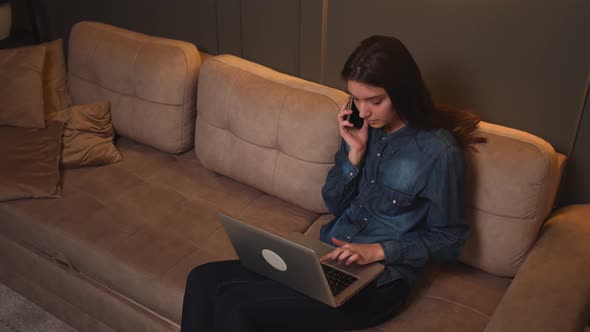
[
  {"x": 450, "y": 297},
  {"x": 139, "y": 226}
]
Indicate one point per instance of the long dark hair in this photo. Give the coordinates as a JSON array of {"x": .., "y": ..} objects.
[{"x": 385, "y": 62}]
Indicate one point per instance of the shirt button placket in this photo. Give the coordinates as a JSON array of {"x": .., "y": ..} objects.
[{"x": 378, "y": 155}]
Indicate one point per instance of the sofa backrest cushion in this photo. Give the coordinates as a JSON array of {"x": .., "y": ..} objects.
[
  {"x": 269, "y": 130},
  {"x": 150, "y": 82},
  {"x": 511, "y": 188}
]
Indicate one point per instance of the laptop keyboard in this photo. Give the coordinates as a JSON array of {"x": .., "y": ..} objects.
[{"x": 337, "y": 279}]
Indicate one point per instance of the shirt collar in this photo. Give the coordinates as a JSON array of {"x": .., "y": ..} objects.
[{"x": 406, "y": 130}]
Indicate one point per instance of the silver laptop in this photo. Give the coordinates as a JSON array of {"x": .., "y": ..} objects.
[{"x": 294, "y": 261}]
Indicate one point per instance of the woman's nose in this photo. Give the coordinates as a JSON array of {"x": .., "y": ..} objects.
[{"x": 363, "y": 110}]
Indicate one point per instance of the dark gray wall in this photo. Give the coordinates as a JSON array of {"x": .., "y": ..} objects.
[
  {"x": 516, "y": 63},
  {"x": 576, "y": 183},
  {"x": 272, "y": 26},
  {"x": 191, "y": 20},
  {"x": 521, "y": 64},
  {"x": 229, "y": 27}
]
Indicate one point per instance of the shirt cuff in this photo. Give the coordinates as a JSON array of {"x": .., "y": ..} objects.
[
  {"x": 349, "y": 171},
  {"x": 392, "y": 250}
]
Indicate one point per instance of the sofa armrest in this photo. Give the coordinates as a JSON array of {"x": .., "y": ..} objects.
[{"x": 551, "y": 291}]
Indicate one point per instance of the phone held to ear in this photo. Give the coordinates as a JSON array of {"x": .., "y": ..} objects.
[{"x": 355, "y": 117}]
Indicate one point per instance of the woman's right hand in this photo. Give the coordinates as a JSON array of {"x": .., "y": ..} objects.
[{"x": 356, "y": 138}]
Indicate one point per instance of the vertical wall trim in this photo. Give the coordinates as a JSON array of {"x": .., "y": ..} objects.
[
  {"x": 217, "y": 25},
  {"x": 324, "y": 39},
  {"x": 580, "y": 116},
  {"x": 572, "y": 146},
  {"x": 299, "y": 25},
  {"x": 241, "y": 29}
]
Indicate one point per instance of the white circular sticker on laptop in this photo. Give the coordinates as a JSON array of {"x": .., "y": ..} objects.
[{"x": 274, "y": 260}]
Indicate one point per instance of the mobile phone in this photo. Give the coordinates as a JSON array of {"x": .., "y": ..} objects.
[{"x": 354, "y": 117}]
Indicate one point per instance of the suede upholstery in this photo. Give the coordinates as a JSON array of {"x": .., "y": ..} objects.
[
  {"x": 511, "y": 188},
  {"x": 143, "y": 223},
  {"x": 30, "y": 161},
  {"x": 55, "y": 89},
  {"x": 21, "y": 91},
  {"x": 561, "y": 253},
  {"x": 113, "y": 253},
  {"x": 271, "y": 131},
  {"x": 152, "y": 101},
  {"x": 88, "y": 135},
  {"x": 22, "y": 71}
]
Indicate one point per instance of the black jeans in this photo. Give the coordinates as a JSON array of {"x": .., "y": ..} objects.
[{"x": 224, "y": 296}]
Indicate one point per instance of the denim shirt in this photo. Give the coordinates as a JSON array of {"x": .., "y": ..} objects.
[{"x": 407, "y": 195}]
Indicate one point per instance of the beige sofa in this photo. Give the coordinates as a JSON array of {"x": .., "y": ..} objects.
[{"x": 113, "y": 252}]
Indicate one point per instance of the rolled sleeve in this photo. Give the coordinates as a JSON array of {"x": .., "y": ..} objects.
[
  {"x": 349, "y": 171},
  {"x": 341, "y": 182},
  {"x": 392, "y": 250}
]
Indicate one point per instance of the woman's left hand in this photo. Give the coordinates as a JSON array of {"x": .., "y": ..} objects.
[{"x": 349, "y": 253}]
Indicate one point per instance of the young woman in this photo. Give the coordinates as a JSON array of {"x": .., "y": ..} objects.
[{"x": 396, "y": 193}]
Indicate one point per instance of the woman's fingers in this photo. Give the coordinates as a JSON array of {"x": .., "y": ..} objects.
[
  {"x": 346, "y": 105},
  {"x": 338, "y": 254},
  {"x": 346, "y": 123},
  {"x": 349, "y": 253},
  {"x": 341, "y": 255},
  {"x": 343, "y": 113},
  {"x": 355, "y": 257},
  {"x": 343, "y": 123},
  {"x": 356, "y": 138},
  {"x": 342, "y": 116},
  {"x": 332, "y": 255},
  {"x": 346, "y": 253}
]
